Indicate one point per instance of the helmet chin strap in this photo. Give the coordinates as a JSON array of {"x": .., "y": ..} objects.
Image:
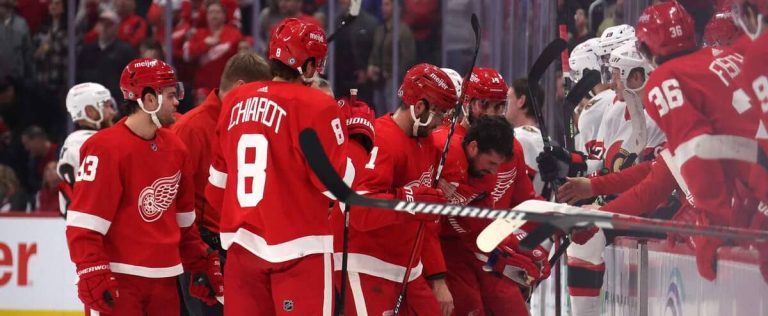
[
  {"x": 417, "y": 123},
  {"x": 752, "y": 35},
  {"x": 153, "y": 114},
  {"x": 96, "y": 122}
]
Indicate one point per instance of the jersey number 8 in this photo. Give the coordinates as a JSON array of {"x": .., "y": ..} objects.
[{"x": 251, "y": 169}]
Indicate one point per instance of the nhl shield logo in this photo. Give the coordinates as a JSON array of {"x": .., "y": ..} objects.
[
  {"x": 288, "y": 305},
  {"x": 153, "y": 146}
]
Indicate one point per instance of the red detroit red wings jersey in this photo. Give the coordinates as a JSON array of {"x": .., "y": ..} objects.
[
  {"x": 380, "y": 240},
  {"x": 754, "y": 83},
  {"x": 692, "y": 100},
  {"x": 467, "y": 188},
  {"x": 136, "y": 193},
  {"x": 273, "y": 205}
]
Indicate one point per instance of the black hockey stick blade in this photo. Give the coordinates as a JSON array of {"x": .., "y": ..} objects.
[
  {"x": 590, "y": 79},
  {"x": 547, "y": 56},
  {"x": 564, "y": 217}
]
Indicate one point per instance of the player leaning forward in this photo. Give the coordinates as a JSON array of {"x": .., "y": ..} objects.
[
  {"x": 129, "y": 226},
  {"x": 274, "y": 221}
]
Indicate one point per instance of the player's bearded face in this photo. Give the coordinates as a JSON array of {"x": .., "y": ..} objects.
[
  {"x": 437, "y": 119},
  {"x": 481, "y": 164},
  {"x": 480, "y": 108},
  {"x": 170, "y": 103}
]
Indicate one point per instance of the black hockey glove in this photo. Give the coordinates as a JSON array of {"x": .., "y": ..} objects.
[{"x": 556, "y": 163}]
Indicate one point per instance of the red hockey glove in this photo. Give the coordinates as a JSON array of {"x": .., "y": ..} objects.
[
  {"x": 524, "y": 267},
  {"x": 207, "y": 282},
  {"x": 581, "y": 236},
  {"x": 686, "y": 214},
  {"x": 422, "y": 194},
  {"x": 359, "y": 119},
  {"x": 706, "y": 251},
  {"x": 97, "y": 288}
]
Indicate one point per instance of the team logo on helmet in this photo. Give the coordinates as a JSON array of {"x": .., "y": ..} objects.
[
  {"x": 146, "y": 63},
  {"x": 439, "y": 80},
  {"x": 156, "y": 198}
]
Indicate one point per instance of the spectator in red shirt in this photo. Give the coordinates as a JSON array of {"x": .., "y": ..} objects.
[
  {"x": 212, "y": 47},
  {"x": 133, "y": 28}
]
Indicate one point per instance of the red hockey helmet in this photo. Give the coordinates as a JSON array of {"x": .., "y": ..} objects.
[
  {"x": 427, "y": 82},
  {"x": 486, "y": 84},
  {"x": 750, "y": 15},
  {"x": 722, "y": 29},
  {"x": 665, "y": 29},
  {"x": 144, "y": 73},
  {"x": 294, "y": 42}
]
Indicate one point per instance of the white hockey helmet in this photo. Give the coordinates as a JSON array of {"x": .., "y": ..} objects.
[
  {"x": 582, "y": 58},
  {"x": 455, "y": 78},
  {"x": 87, "y": 94},
  {"x": 626, "y": 58},
  {"x": 612, "y": 38}
]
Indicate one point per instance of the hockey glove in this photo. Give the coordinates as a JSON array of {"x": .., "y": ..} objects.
[
  {"x": 706, "y": 251},
  {"x": 557, "y": 163},
  {"x": 421, "y": 194},
  {"x": 523, "y": 267},
  {"x": 359, "y": 119},
  {"x": 581, "y": 236},
  {"x": 97, "y": 287},
  {"x": 207, "y": 282}
]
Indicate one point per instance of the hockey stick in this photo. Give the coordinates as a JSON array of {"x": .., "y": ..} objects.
[
  {"x": 345, "y": 239},
  {"x": 454, "y": 119},
  {"x": 354, "y": 11},
  {"x": 579, "y": 91},
  {"x": 565, "y": 217},
  {"x": 498, "y": 230}
]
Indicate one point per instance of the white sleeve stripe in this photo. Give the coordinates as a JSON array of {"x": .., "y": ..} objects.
[
  {"x": 87, "y": 221},
  {"x": 717, "y": 147},
  {"x": 185, "y": 219},
  {"x": 217, "y": 178}
]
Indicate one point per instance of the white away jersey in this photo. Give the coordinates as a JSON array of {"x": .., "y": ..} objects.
[
  {"x": 616, "y": 129},
  {"x": 69, "y": 161},
  {"x": 530, "y": 138},
  {"x": 590, "y": 122}
]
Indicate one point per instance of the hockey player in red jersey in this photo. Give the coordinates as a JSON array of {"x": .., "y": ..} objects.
[
  {"x": 752, "y": 15},
  {"x": 359, "y": 118},
  {"x": 134, "y": 195},
  {"x": 691, "y": 95},
  {"x": 402, "y": 166},
  {"x": 91, "y": 107},
  {"x": 197, "y": 129},
  {"x": 478, "y": 171},
  {"x": 278, "y": 249}
]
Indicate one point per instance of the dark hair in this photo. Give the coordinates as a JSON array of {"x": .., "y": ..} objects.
[
  {"x": 278, "y": 69},
  {"x": 34, "y": 132},
  {"x": 492, "y": 133},
  {"x": 153, "y": 44},
  {"x": 521, "y": 89},
  {"x": 129, "y": 107},
  {"x": 247, "y": 66}
]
